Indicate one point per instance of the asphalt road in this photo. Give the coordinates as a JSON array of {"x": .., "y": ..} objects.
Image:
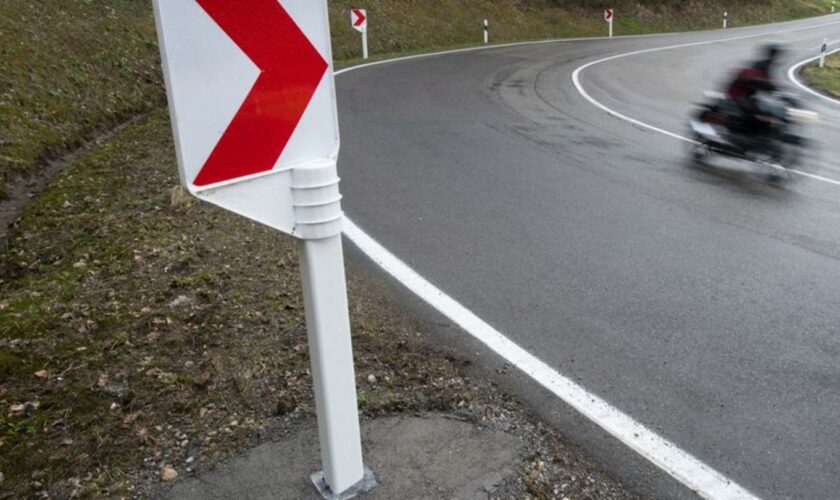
[{"x": 701, "y": 302}]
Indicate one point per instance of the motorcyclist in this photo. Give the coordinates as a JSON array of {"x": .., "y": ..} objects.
[{"x": 749, "y": 83}]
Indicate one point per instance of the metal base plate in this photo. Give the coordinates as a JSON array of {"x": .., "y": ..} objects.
[{"x": 367, "y": 483}]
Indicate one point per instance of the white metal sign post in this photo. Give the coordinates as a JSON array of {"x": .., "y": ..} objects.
[
  {"x": 252, "y": 101},
  {"x": 358, "y": 19},
  {"x": 725, "y": 19},
  {"x": 609, "y": 16},
  {"x": 486, "y": 32},
  {"x": 823, "y": 51}
]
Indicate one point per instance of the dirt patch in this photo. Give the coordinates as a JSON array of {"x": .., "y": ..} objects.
[{"x": 433, "y": 456}]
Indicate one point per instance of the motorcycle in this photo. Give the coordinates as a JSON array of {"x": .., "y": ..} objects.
[{"x": 773, "y": 139}]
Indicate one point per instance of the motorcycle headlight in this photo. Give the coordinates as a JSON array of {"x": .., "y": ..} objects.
[{"x": 803, "y": 116}]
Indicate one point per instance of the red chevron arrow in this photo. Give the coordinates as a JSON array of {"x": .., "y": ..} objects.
[
  {"x": 360, "y": 17},
  {"x": 290, "y": 71}
]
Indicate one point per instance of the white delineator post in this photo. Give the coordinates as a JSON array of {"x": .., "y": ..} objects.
[
  {"x": 364, "y": 45},
  {"x": 225, "y": 63},
  {"x": 725, "y": 20},
  {"x": 318, "y": 225},
  {"x": 486, "y": 32},
  {"x": 358, "y": 20},
  {"x": 823, "y": 51},
  {"x": 609, "y": 17},
  {"x": 832, "y": 7}
]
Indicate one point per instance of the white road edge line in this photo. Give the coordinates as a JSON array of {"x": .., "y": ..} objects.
[
  {"x": 582, "y": 91},
  {"x": 679, "y": 464},
  {"x": 795, "y": 69},
  {"x": 688, "y": 470}
]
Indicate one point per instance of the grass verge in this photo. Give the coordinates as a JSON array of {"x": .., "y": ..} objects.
[
  {"x": 398, "y": 26},
  {"x": 825, "y": 79}
]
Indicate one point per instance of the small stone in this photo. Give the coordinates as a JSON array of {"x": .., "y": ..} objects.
[
  {"x": 168, "y": 474},
  {"x": 42, "y": 374},
  {"x": 372, "y": 378},
  {"x": 116, "y": 389},
  {"x": 179, "y": 198},
  {"x": 79, "y": 265},
  {"x": 180, "y": 301},
  {"x": 190, "y": 460}
]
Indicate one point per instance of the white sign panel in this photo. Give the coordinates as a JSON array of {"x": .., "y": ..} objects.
[
  {"x": 358, "y": 19},
  {"x": 251, "y": 95}
]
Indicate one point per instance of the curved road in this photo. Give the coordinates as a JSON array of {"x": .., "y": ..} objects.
[{"x": 700, "y": 302}]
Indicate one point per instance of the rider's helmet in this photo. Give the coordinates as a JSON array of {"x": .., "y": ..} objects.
[{"x": 773, "y": 50}]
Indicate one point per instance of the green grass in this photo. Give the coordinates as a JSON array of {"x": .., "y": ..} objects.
[
  {"x": 68, "y": 69},
  {"x": 826, "y": 79}
]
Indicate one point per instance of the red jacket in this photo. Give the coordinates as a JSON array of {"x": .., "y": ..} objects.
[{"x": 750, "y": 81}]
